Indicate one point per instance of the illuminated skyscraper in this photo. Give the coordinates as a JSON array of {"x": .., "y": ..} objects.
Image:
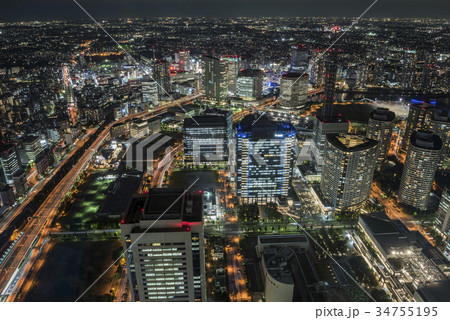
[
  {"x": 326, "y": 122},
  {"x": 149, "y": 91},
  {"x": 419, "y": 118},
  {"x": 184, "y": 60},
  {"x": 381, "y": 123},
  {"x": 422, "y": 159},
  {"x": 322, "y": 127},
  {"x": 299, "y": 59},
  {"x": 443, "y": 219},
  {"x": 215, "y": 78},
  {"x": 233, "y": 65},
  {"x": 329, "y": 88},
  {"x": 347, "y": 174},
  {"x": 316, "y": 68},
  {"x": 207, "y": 137},
  {"x": 10, "y": 161},
  {"x": 265, "y": 157},
  {"x": 32, "y": 146},
  {"x": 161, "y": 74},
  {"x": 249, "y": 84},
  {"x": 163, "y": 233},
  {"x": 293, "y": 90},
  {"x": 408, "y": 70},
  {"x": 441, "y": 127}
]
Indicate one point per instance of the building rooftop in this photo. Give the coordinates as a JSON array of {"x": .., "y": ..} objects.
[
  {"x": 250, "y": 73},
  {"x": 165, "y": 204},
  {"x": 205, "y": 121},
  {"x": 435, "y": 291},
  {"x": 382, "y": 114},
  {"x": 120, "y": 192},
  {"x": 350, "y": 142},
  {"x": 426, "y": 140}
]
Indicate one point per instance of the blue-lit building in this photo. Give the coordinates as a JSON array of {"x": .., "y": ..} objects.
[{"x": 265, "y": 157}]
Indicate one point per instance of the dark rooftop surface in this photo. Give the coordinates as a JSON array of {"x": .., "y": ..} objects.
[
  {"x": 206, "y": 121},
  {"x": 435, "y": 292},
  {"x": 165, "y": 204},
  {"x": 382, "y": 114},
  {"x": 426, "y": 140},
  {"x": 379, "y": 226},
  {"x": 120, "y": 193}
]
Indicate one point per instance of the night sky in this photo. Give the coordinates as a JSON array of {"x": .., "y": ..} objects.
[{"x": 26, "y": 10}]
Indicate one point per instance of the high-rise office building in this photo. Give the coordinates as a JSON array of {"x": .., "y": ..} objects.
[
  {"x": 329, "y": 89},
  {"x": 149, "y": 91},
  {"x": 381, "y": 123},
  {"x": 347, "y": 174},
  {"x": 362, "y": 73},
  {"x": 233, "y": 65},
  {"x": 441, "y": 127},
  {"x": 443, "y": 219},
  {"x": 422, "y": 159},
  {"x": 443, "y": 213},
  {"x": 250, "y": 84},
  {"x": 10, "y": 160},
  {"x": 207, "y": 137},
  {"x": 161, "y": 74},
  {"x": 7, "y": 197},
  {"x": 32, "y": 146},
  {"x": 419, "y": 118},
  {"x": 326, "y": 122},
  {"x": 408, "y": 70},
  {"x": 322, "y": 127},
  {"x": 293, "y": 90},
  {"x": 299, "y": 59},
  {"x": 316, "y": 68},
  {"x": 184, "y": 61},
  {"x": 162, "y": 232},
  {"x": 378, "y": 71},
  {"x": 265, "y": 157},
  {"x": 215, "y": 78}
]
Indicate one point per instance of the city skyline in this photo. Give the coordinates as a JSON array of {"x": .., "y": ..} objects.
[
  {"x": 248, "y": 159},
  {"x": 48, "y": 10}
]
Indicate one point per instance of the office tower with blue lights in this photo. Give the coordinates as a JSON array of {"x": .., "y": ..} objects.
[
  {"x": 381, "y": 123},
  {"x": 348, "y": 170},
  {"x": 419, "y": 118},
  {"x": 265, "y": 157},
  {"x": 162, "y": 232},
  {"x": 207, "y": 137},
  {"x": 250, "y": 84},
  {"x": 215, "y": 78},
  {"x": 293, "y": 90},
  {"x": 422, "y": 160}
]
